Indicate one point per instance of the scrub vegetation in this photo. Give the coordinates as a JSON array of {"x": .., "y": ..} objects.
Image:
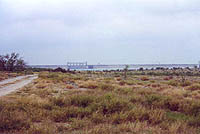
[
  {"x": 103, "y": 103},
  {"x": 7, "y": 75}
]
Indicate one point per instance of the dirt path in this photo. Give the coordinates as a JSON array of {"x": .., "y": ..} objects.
[{"x": 10, "y": 85}]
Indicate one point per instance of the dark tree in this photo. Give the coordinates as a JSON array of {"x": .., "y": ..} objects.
[
  {"x": 11, "y": 62},
  {"x": 2, "y": 63}
]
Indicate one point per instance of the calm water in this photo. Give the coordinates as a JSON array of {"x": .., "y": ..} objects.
[{"x": 120, "y": 67}]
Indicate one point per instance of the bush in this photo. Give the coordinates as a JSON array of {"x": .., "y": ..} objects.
[
  {"x": 110, "y": 104},
  {"x": 81, "y": 100},
  {"x": 150, "y": 99}
]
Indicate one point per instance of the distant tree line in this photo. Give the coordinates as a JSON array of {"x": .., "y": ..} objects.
[{"x": 12, "y": 62}]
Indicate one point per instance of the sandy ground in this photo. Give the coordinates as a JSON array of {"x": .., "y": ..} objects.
[{"x": 10, "y": 85}]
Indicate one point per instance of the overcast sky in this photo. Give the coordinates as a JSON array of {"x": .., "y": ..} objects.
[{"x": 101, "y": 31}]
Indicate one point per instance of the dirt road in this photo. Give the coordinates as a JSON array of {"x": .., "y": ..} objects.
[{"x": 10, "y": 85}]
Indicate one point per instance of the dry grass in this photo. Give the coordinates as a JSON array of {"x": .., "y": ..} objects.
[
  {"x": 55, "y": 103},
  {"x": 6, "y": 75}
]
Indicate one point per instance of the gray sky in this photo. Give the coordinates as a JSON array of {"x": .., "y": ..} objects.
[{"x": 101, "y": 31}]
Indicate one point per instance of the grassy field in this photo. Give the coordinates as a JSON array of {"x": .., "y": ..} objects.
[
  {"x": 6, "y": 75},
  {"x": 104, "y": 103}
]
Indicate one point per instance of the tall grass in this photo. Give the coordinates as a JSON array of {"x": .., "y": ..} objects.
[{"x": 107, "y": 106}]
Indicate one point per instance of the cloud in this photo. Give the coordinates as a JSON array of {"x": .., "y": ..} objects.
[{"x": 110, "y": 31}]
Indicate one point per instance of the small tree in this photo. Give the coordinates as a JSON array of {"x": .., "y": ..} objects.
[
  {"x": 125, "y": 71},
  {"x": 183, "y": 76},
  {"x": 2, "y": 63},
  {"x": 11, "y": 62}
]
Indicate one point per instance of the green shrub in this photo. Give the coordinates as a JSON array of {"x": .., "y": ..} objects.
[
  {"x": 175, "y": 116},
  {"x": 150, "y": 99},
  {"x": 111, "y": 104},
  {"x": 81, "y": 100}
]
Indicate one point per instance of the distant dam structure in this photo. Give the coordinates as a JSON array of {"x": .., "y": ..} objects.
[{"x": 79, "y": 65}]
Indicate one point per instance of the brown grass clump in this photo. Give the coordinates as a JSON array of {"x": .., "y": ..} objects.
[
  {"x": 155, "y": 85},
  {"x": 173, "y": 83},
  {"x": 186, "y": 83},
  {"x": 168, "y": 78},
  {"x": 122, "y": 83},
  {"x": 42, "y": 128},
  {"x": 13, "y": 120},
  {"x": 144, "y": 78},
  {"x": 89, "y": 85},
  {"x": 69, "y": 86},
  {"x": 41, "y": 85},
  {"x": 194, "y": 87},
  {"x": 106, "y": 87},
  {"x": 6, "y": 75}
]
